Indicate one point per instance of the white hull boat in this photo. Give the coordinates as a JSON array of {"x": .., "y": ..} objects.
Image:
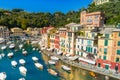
[
  {"x": 39, "y": 66},
  {"x": 22, "y": 61},
  {"x": 52, "y": 62},
  {"x": 54, "y": 58},
  {"x": 2, "y": 40},
  {"x": 20, "y": 46},
  {"x": 10, "y": 55},
  {"x": 33, "y": 49},
  {"x": 3, "y": 47},
  {"x": 52, "y": 72},
  {"x": 23, "y": 70},
  {"x": 24, "y": 52},
  {"x": 3, "y": 76},
  {"x": 66, "y": 68},
  {"x": 22, "y": 79},
  {"x": 14, "y": 63},
  {"x": 12, "y": 46},
  {"x": 35, "y": 59}
]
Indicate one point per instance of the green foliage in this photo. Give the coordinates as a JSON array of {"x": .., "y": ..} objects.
[{"x": 111, "y": 10}]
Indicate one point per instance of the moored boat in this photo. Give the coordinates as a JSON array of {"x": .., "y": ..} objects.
[
  {"x": 22, "y": 61},
  {"x": 35, "y": 59},
  {"x": 38, "y": 65},
  {"x": 3, "y": 47},
  {"x": 20, "y": 46},
  {"x": 3, "y": 76},
  {"x": 14, "y": 63},
  {"x": 12, "y": 46},
  {"x": 51, "y": 71},
  {"x": 51, "y": 62},
  {"x": 54, "y": 58},
  {"x": 10, "y": 55},
  {"x": 33, "y": 49},
  {"x": 22, "y": 79},
  {"x": 66, "y": 68},
  {"x": 23, "y": 70},
  {"x": 24, "y": 52},
  {"x": 2, "y": 40}
]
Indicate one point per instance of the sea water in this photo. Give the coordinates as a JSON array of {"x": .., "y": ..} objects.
[{"x": 33, "y": 73}]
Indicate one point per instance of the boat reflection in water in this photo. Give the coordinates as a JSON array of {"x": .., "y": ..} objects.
[{"x": 75, "y": 73}]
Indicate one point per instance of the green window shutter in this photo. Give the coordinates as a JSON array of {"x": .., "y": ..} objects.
[
  {"x": 91, "y": 50},
  {"x": 118, "y": 52},
  {"x": 106, "y": 35},
  {"x": 105, "y": 50},
  {"x": 100, "y": 50},
  {"x": 119, "y": 34},
  {"x": 118, "y": 43},
  {"x": 104, "y": 57},
  {"x": 106, "y": 43},
  {"x": 117, "y": 59}
]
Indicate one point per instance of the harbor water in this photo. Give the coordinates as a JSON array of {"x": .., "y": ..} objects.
[{"x": 34, "y": 73}]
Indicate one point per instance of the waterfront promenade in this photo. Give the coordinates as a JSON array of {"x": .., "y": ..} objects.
[{"x": 82, "y": 65}]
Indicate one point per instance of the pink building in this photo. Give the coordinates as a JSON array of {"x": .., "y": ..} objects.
[{"x": 95, "y": 19}]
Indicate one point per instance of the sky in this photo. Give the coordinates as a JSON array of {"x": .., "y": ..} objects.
[{"x": 45, "y": 5}]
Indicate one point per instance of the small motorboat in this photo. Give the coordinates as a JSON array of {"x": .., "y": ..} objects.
[
  {"x": 22, "y": 79},
  {"x": 51, "y": 62},
  {"x": 24, "y": 52},
  {"x": 22, "y": 61},
  {"x": 2, "y": 54},
  {"x": 3, "y": 76},
  {"x": 66, "y": 68},
  {"x": 20, "y": 46},
  {"x": 52, "y": 72},
  {"x": 14, "y": 63},
  {"x": 10, "y": 55},
  {"x": 12, "y": 46},
  {"x": 54, "y": 58},
  {"x": 23, "y": 70},
  {"x": 38, "y": 65},
  {"x": 33, "y": 49},
  {"x": 3, "y": 47},
  {"x": 35, "y": 59}
]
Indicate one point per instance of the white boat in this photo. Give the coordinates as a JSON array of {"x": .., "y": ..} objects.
[
  {"x": 10, "y": 55},
  {"x": 54, "y": 58},
  {"x": 22, "y": 61},
  {"x": 51, "y": 62},
  {"x": 33, "y": 49},
  {"x": 3, "y": 76},
  {"x": 35, "y": 59},
  {"x": 0, "y": 57},
  {"x": 22, "y": 79},
  {"x": 12, "y": 46},
  {"x": 66, "y": 68},
  {"x": 2, "y": 40},
  {"x": 52, "y": 72},
  {"x": 23, "y": 70},
  {"x": 24, "y": 52},
  {"x": 14, "y": 63},
  {"x": 3, "y": 47},
  {"x": 2, "y": 54},
  {"x": 20, "y": 46},
  {"x": 9, "y": 42},
  {"x": 38, "y": 65}
]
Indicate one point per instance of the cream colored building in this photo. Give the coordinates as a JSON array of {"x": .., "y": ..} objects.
[{"x": 98, "y": 2}]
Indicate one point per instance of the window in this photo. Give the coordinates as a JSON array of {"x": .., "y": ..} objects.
[
  {"x": 106, "y": 43},
  {"x": 100, "y": 57},
  {"x": 105, "y": 50},
  {"x": 81, "y": 47},
  {"x": 78, "y": 46},
  {"x": 82, "y": 41},
  {"x": 77, "y": 52},
  {"x": 70, "y": 34},
  {"x": 104, "y": 57},
  {"x": 106, "y": 35},
  {"x": 81, "y": 54},
  {"x": 118, "y": 43},
  {"x": 94, "y": 51},
  {"x": 118, "y": 52},
  {"x": 117, "y": 59},
  {"x": 91, "y": 50},
  {"x": 119, "y": 34},
  {"x": 100, "y": 50}
]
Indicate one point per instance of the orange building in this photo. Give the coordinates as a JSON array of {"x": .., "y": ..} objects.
[{"x": 95, "y": 19}]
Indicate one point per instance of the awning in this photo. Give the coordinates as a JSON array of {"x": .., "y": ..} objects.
[
  {"x": 73, "y": 57},
  {"x": 86, "y": 60},
  {"x": 59, "y": 53}
]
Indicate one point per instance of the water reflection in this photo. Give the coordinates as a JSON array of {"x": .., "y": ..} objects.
[{"x": 75, "y": 74}]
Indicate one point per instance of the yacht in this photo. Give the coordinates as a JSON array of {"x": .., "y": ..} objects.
[
  {"x": 22, "y": 61},
  {"x": 51, "y": 62},
  {"x": 3, "y": 47},
  {"x": 66, "y": 68},
  {"x": 3, "y": 76},
  {"x": 35, "y": 59},
  {"x": 10, "y": 55},
  {"x": 52, "y": 72},
  {"x": 12, "y": 46},
  {"x": 38, "y": 65},
  {"x": 14, "y": 63},
  {"x": 54, "y": 58},
  {"x": 23, "y": 70}
]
